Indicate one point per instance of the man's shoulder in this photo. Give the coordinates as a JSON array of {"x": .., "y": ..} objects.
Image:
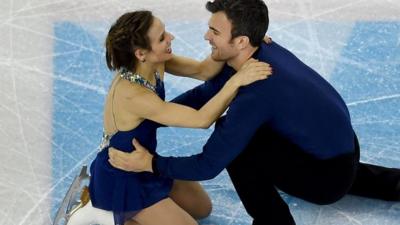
[
  {"x": 281, "y": 58},
  {"x": 272, "y": 50}
]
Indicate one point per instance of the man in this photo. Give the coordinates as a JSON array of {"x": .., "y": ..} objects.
[{"x": 291, "y": 131}]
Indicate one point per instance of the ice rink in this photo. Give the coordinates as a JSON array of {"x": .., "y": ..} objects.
[{"x": 53, "y": 81}]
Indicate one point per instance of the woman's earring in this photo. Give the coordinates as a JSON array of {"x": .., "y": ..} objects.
[{"x": 143, "y": 60}]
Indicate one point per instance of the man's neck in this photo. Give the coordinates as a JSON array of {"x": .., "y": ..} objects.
[{"x": 238, "y": 61}]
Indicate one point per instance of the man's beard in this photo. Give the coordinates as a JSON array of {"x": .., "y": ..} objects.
[{"x": 217, "y": 56}]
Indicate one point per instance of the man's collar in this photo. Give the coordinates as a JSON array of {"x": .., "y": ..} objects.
[{"x": 256, "y": 54}]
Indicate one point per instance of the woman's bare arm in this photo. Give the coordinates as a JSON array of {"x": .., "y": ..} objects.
[
  {"x": 147, "y": 105},
  {"x": 187, "y": 67}
]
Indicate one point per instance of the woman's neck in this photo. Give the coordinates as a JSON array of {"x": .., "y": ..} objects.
[{"x": 147, "y": 71}]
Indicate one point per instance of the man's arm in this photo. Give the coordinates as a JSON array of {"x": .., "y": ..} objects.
[{"x": 231, "y": 135}]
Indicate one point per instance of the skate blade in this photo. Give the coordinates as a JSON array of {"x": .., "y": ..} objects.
[{"x": 68, "y": 202}]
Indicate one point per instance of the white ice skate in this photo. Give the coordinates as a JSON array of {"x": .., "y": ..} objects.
[{"x": 72, "y": 201}]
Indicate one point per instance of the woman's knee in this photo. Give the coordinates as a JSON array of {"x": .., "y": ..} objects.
[
  {"x": 204, "y": 211},
  {"x": 165, "y": 212},
  {"x": 191, "y": 197}
]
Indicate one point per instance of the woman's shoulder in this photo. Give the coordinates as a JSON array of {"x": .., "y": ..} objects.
[{"x": 131, "y": 90}]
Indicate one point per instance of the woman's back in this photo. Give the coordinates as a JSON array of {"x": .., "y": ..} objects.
[{"x": 116, "y": 115}]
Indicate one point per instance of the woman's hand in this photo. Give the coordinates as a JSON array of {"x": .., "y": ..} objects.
[
  {"x": 251, "y": 71},
  {"x": 267, "y": 39}
]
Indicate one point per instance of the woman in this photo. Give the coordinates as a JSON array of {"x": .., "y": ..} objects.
[{"x": 139, "y": 49}]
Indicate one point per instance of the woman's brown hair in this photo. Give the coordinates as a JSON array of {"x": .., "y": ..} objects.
[{"x": 126, "y": 35}]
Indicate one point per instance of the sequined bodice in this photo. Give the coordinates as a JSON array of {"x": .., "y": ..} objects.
[
  {"x": 145, "y": 132},
  {"x": 138, "y": 79}
]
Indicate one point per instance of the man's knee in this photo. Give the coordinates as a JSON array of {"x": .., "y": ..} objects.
[{"x": 325, "y": 200}]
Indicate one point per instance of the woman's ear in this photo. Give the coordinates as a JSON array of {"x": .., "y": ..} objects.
[{"x": 140, "y": 54}]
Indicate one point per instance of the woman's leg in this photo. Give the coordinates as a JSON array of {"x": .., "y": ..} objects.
[
  {"x": 191, "y": 197},
  {"x": 165, "y": 212}
]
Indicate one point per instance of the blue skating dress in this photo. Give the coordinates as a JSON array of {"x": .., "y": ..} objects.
[{"x": 126, "y": 193}]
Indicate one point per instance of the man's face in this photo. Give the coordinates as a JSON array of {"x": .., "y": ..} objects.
[{"x": 219, "y": 37}]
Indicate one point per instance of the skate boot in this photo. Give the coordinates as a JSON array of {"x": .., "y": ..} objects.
[{"x": 70, "y": 205}]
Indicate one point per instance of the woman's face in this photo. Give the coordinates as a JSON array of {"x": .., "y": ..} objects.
[{"x": 160, "y": 41}]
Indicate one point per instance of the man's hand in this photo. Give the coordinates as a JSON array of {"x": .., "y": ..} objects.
[
  {"x": 267, "y": 39},
  {"x": 135, "y": 161}
]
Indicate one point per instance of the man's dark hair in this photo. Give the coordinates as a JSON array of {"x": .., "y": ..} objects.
[{"x": 248, "y": 17}]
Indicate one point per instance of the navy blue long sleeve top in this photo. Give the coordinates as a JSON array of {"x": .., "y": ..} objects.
[{"x": 295, "y": 102}]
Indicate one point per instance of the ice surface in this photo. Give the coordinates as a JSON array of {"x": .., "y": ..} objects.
[{"x": 53, "y": 83}]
